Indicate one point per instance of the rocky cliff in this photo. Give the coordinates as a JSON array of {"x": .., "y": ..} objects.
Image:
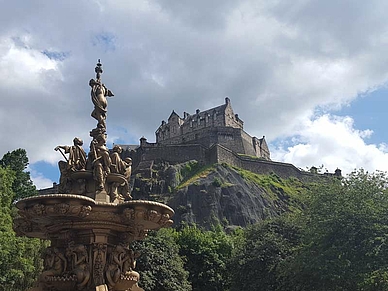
[{"x": 219, "y": 193}]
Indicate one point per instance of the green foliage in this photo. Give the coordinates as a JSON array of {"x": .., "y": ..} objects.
[
  {"x": 201, "y": 172},
  {"x": 160, "y": 265},
  {"x": 20, "y": 262},
  {"x": 345, "y": 235},
  {"x": 290, "y": 189},
  {"x": 217, "y": 182},
  {"x": 258, "y": 256},
  {"x": 190, "y": 168},
  {"x": 207, "y": 255},
  {"x": 22, "y": 185}
]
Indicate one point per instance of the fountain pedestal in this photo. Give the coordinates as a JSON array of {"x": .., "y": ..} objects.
[{"x": 89, "y": 239}]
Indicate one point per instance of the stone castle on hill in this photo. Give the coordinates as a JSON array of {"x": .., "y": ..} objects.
[
  {"x": 212, "y": 136},
  {"x": 217, "y": 125}
]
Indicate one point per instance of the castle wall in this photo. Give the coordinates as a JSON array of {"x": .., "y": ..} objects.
[
  {"x": 230, "y": 118},
  {"x": 220, "y": 154},
  {"x": 174, "y": 153},
  {"x": 248, "y": 145}
]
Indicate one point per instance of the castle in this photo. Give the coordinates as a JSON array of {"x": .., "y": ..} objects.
[
  {"x": 218, "y": 125},
  {"x": 212, "y": 136}
]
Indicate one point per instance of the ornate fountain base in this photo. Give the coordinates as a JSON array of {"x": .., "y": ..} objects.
[{"x": 89, "y": 240}]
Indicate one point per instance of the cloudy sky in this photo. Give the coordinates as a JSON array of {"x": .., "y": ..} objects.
[{"x": 310, "y": 75}]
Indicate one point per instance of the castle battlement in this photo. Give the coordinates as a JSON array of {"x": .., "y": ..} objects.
[{"x": 218, "y": 125}]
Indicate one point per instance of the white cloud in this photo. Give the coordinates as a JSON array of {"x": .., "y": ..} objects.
[
  {"x": 333, "y": 141},
  {"x": 278, "y": 61}
]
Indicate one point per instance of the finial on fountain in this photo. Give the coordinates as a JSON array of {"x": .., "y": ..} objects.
[{"x": 98, "y": 70}]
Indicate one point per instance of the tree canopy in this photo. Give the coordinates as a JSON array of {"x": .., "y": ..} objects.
[
  {"x": 20, "y": 260},
  {"x": 22, "y": 185}
]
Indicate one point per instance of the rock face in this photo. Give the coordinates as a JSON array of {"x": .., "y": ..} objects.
[{"x": 214, "y": 194}]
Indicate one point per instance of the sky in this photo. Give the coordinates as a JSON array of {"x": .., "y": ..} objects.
[{"x": 309, "y": 75}]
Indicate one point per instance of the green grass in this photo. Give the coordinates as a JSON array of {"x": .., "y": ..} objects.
[
  {"x": 202, "y": 172},
  {"x": 292, "y": 188}
]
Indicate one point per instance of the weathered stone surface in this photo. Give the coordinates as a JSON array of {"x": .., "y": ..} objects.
[
  {"x": 220, "y": 196},
  {"x": 234, "y": 202}
]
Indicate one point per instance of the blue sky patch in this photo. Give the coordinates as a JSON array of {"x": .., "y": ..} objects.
[
  {"x": 56, "y": 55},
  {"x": 105, "y": 40}
]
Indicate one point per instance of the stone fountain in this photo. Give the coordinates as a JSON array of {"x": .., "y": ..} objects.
[{"x": 93, "y": 220}]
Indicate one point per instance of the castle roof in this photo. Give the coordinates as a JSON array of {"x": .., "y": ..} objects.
[
  {"x": 203, "y": 114},
  {"x": 173, "y": 113}
]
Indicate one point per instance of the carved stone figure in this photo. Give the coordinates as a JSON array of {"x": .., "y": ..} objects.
[
  {"x": 118, "y": 165},
  {"x": 128, "y": 169},
  {"x": 99, "y": 93},
  {"x": 78, "y": 256},
  {"x": 101, "y": 161},
  {"x": 115, "y": 266},
  {"x": 126, "y": 189},
  {"x": 54, "y": 262},
  {"x": 77, "y": 155},
  {"x": 75, "y": 162},
  {"x": 129, "y": 263}
]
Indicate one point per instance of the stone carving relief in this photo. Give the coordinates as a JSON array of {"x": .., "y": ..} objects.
[
  {"x": 99, "y": 254},
  {"x": 122, "y": 262},
  {"x": 59, "y": 209},
  {"x": 79, "y": 263}
]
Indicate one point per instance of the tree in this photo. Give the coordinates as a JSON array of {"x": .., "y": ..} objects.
[
  {"x": 160, "y": 266},
  {"x": 258, "y": 257},
  {"x": 22, "y": 185},
  {"x": 345, "y": 235},
  {"x": 19, "y": 257},
  {"x": 207, "y": 255}
]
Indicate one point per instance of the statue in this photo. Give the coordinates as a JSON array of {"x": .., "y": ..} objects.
[
  {"x": 101, "y": 161},
  {"x": 118, "y": 165},
  {"x": 55, "y": 264},
  {"x": 115, "y": 266},
  {"x": 120, "y": 190},
  {"x": 130, "y": 261},
  {"x": 126, "y": 190},
  {"x": 99, "y": 93},
  {"x": 77, "y": 155},
  {"x": 128, "y": 169},
  {"x": 78, "y": 256}
]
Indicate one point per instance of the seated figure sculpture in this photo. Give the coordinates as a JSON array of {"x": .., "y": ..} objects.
[
  {"x": 77, "y": 155},
  {"x": 118, "y": 166},
  {"x": 120, "y": 191},
  {"x": 75, "y": 162}
]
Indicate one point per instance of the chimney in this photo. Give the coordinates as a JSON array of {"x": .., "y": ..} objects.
[
  {"x": 197, "y": 111},
  {"x": 227, "y": 100}
]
